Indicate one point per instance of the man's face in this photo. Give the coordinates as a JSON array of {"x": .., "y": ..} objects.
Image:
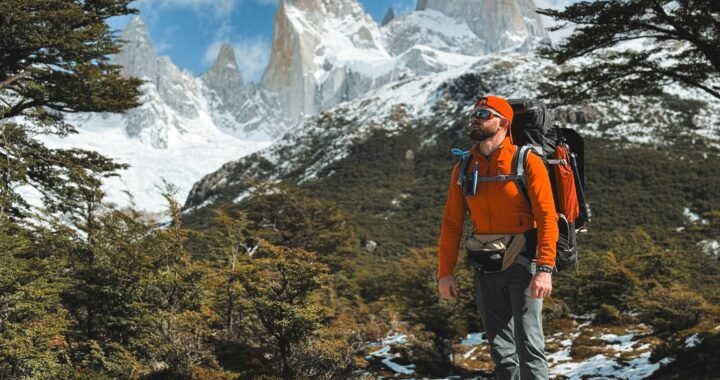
[{"x": 482, "y": 128}]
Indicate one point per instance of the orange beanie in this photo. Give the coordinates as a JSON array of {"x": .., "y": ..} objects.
[{"x": 499, "y": 104}]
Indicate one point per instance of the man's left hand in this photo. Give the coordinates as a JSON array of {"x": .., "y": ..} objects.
[{"x": 541, "y": 285}]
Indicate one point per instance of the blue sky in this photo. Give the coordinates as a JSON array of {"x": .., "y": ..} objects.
[{"x": 191, "y": 31}]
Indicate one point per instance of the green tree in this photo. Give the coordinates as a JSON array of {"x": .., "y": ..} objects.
[
  {"x": 279, "y": 283},
  {"x": 231, "y": 255},
  {"x": 33, "y": 321},
  {"x": 288, "y": 216},
  {"x": 137, "y": 301},
  {"x": 54, "y": 59},
  {"x": 180, "y": 325},
  {"x": 684, "y": 50},
  {"x": 108, "y": 300},
  {"x": 412, "y": 282}
]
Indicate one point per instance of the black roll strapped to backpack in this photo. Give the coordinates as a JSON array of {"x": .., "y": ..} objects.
[{"x": 562, "y": 151}]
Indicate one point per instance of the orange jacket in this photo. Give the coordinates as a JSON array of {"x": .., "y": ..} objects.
[{"x": 499, "y": 207}]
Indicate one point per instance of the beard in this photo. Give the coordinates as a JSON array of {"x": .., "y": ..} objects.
[{"x": 479, "y": 133}]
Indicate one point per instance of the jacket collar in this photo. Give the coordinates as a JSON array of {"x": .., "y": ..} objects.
[{"x": 503, "y": 145}]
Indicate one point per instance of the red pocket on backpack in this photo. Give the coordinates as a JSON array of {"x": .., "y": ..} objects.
[{"x": 565, "y": 184}]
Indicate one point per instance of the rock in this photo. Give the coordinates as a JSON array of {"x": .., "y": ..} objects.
[
  {"x": 501, "y": 24},
  {"x": 389, "y": 16},
  {"x": 368, "y": 245}
]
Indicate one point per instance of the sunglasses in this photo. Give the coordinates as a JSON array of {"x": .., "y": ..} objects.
[{"x": 485, "y": 114}]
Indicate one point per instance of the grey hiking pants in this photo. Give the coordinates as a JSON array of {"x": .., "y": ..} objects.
[{"x": 513, "y": 323}]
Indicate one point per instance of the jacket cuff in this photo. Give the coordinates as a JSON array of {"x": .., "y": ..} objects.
[{"x": 442, "y": 272}]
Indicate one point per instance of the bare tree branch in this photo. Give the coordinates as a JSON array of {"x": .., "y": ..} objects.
[{"x": 14, "y": 78}]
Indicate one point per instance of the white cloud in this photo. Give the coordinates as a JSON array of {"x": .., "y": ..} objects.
[
  {"x": 252, "y": 55},
  {"x": 162, "y": 46},
  {"x": 218, "y": 8},
  {"x": 401, "y": 7}
]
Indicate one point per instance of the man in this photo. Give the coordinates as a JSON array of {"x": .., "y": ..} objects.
[{"x": 509, "y": 300}]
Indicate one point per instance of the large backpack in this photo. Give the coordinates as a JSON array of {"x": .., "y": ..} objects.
[{"x": 562, "y": 151}]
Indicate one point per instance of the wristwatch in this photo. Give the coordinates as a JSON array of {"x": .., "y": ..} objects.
[{"x": 545, "y": 268}]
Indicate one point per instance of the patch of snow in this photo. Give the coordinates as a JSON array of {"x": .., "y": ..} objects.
[
  {"x": 584, "y": 317},
  {"x": 403, "y": 369},
  {"x": 475, "y": 339},
  {"x": 693, "y": 341},
  {"x": 206, "y": 203},
  {"x": 434, "y": 29},
  {"x": 562, "y": 34},
  {"x": 398, "y": 200},
  {"x": 666, "y": 361},
  {"x": 392, "y": 338},
  {"x": 467, "y": 354},
  {"x": 385, "y": 353},
  {"x": 192, "y": 152},
  {"x": 711, "y": 247},
  {"x": 693, "y": 217},
  {"x": 624, "y": 343},
  {"x": 243, "y": 195},
  {"x": 559, "y": 356},
  {"x": 600, "y": 366}
]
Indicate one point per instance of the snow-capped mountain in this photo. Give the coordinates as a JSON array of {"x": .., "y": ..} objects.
[
  {"x": 329, "y": 137},
  {"x": 433, "y": 29},
  {"x": 435, "y": 103},
  {"x": 324, "y": 52},
  {"x": 185, "y": 127},
  {"x": 327, "y": 52},
  {"x": 243, "y": 110},
  {"x": 499, "y": 24}
]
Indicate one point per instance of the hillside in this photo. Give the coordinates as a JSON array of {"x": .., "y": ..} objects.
[{"x": 384, "y": 161}]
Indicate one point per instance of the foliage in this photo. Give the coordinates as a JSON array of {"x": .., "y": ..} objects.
[
  {"x": 278, "y": 283},
  {"x": 601, "y": 280},
  {"x": 55, "y": 60},
  {"x": 684, "y": 47},
  {"x": 233, "y": 251},
  {"x": 698, "y": 362},
  {"x": 33, "y": 322},
  {"x": 57, "y": 57},
  {"x": 288, "y": 216},
  {"x": 412, "y": 290},
  {"x": 233, "y": 246},
  {"x": 670, "y": 308}
]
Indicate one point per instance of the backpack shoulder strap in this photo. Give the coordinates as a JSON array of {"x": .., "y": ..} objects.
[
  {"x": 462, "y": 172},
  {"x": 519, "y": 162}
]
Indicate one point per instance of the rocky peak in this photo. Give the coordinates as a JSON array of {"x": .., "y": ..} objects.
[
  {"x": 241, "y": 110},
  {"x": 308, "y": 5},
  {"x": 137, "y": 56},
  {"x": 226, "y": 59},
  {"x": 224, "y": 76},
  {"x": 309, "y": 36},
  {"x": 501, "y": 24},
  {"x": 389, "y": 16}
]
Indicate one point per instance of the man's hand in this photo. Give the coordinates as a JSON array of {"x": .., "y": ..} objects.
[
  {"x": 448, "y": 287},
  {"x": 541, "y": 285}
]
